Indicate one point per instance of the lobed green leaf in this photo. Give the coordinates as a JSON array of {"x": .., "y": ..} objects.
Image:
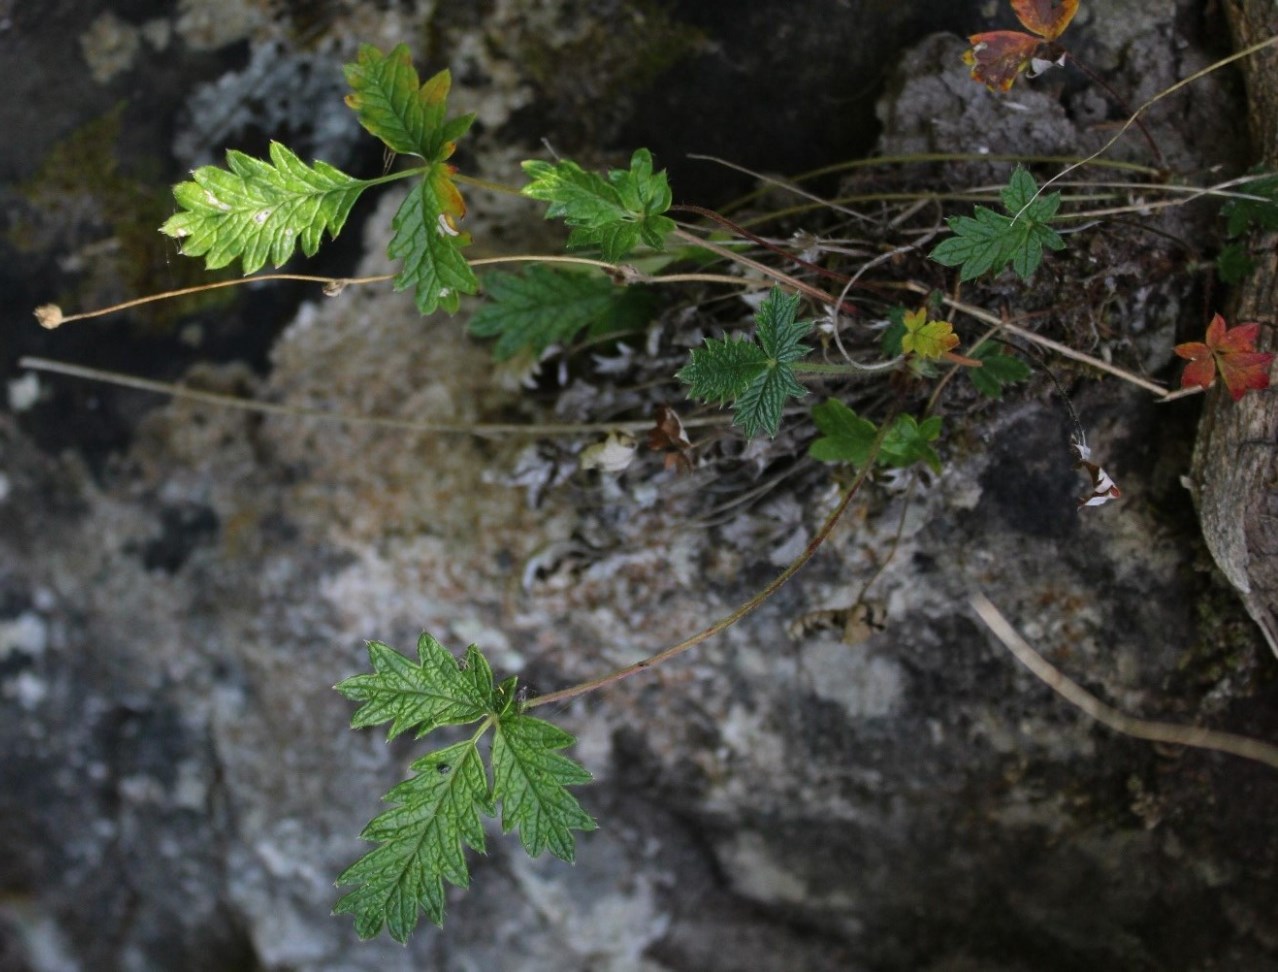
[
  {"x": 256, "y": 211},
  {"x": 421, "y": 839},
  {"x": 530, "y": 312},
  {"x": 429, "y": 246},
  {"x": 408, "y": 116},
  {"x": 846, "y": 436},
  {"x": 988, "y": 241},
  {"x": 614, "y": 214},
  {"x": 997, "y": 369},
  {"x": 435, "y": 691},
  {"x": 530, "y": 780}
]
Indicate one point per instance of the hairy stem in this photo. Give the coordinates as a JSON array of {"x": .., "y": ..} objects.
[{"x": 729, "y": 620}]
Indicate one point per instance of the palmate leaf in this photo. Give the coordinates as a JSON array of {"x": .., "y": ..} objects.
[
  {"x": 613, "y": 214},
  {"x": 848, "y": 437},
  {"x": 988, "y": 241},
  {"x": 542, "y": 307},
  {"x": 997, "y": 369},
  {"x": 756, "y": 377},
  {"x": 406, "y": 115},
  {"x": 256, "y": 211},
  {"x": 927, "y": 339},
  {"x": 435, "y": 813}
]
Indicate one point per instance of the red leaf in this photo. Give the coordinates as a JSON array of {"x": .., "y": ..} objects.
[
  {"x": 997, "y": 57},
  {"x": 1233, "y": 351},
  {"x": 1047, "y": 18},
  {"x": 669, "y": 437}
]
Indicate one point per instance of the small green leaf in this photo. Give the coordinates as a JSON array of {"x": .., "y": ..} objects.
[
  {"x": 847, "y": 437},
  {"x": 757, "y": 377},
  {"x": 613, "y": 214},
  {"x": 997, "y": 369},
  {"x": 530, "y": 780},
  {"x": 988, "y": 241},
  {"x": 256, "y": 211},
  {"x": 407, "y": 116},
  {"x": 1234, "y": 263},
  {"x": 421, "y": 840},
  {"x": 723, "y": 368},
  {"x": 544, "y": 307},
  {"x": 894, "y": 333},
  {"x": 436, "y": 691},
  {"x": 1243, "y": 214},
  {"x": 907, "y": 442}
]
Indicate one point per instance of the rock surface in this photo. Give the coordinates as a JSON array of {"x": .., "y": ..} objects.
[{"x": 180, "y": 790}]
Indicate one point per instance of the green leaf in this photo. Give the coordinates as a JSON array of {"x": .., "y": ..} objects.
[
  {"x": 988, "y": 241},
  {"x": 411, "y": 118},
  {"x": 435, "y": 813},
  {"x": 997, "y": 369},
  {"x": 1234, "y": 263},
  {"x": 757, "y": 377},
  {"x": 847, "y": 437},
  {"x": 256, "y": 211},
  {"x": 407, "y": 116},
  {"x": 420, "y": 844},
  {"x": 529, "y": 778},
  {"x": 1243, "y": 214},
  {"x": 907, "y": 442},
  {"x": 613, "y": 214},
  {"x": 436, "y": 691},
  {"x": 544, "y": 307},
  {"x": 429, "y": 246},
  {"x": 894, "y": 333}
]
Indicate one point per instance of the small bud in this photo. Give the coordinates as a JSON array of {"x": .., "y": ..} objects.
[
  {"x": 334, "y": 287},
  {"x": 49, "y": 315}
]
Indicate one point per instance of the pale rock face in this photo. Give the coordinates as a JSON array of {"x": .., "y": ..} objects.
[{"x": 170, "y": 632}]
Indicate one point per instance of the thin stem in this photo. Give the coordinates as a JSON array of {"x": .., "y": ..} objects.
[
  {"x": 815, "y": 293},
  {"x": 846, "y": 369},
  {"x": 292, "y": 411},
  {"x": 770, "y": 247},
  {"x": 729, "y": 620},
  {"x": 187, "y": 291},
  {"x": 486, "y": 184},
  {"x": 1062, "y": 349},
  {"x": 1101, "y": 83},
  {"x": 1076, "y": 695},
  {"x": 1237, "y": 56}
]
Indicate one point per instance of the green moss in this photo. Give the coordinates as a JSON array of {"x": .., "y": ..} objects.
[{"x": 81, "y": 193}]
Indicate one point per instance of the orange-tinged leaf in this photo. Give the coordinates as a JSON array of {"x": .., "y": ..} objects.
[
  {"x": 1233, "y": 352},
  {"x": 1047, "y": 18},
  {"x": 997, "y": 57},
  {"x": 927, "y": 339}
]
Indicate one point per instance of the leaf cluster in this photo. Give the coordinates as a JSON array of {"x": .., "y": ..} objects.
[
  {"x": 988, "y": 241},
  {"x": 755, "y": 376},
  {"x": 256, "y": 211},
  {"x": 437, "y": 813},
  {"x": 847, "y": 437},
  {"x": 1234, "y": 262},
  {"x": 530, "y": 312},
  {"x": 614, "y": 214}
]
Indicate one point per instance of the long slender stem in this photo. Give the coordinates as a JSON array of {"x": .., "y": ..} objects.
[
  {"x": 1062, "y": 349},
  {"x": 292, "y": 411},
  {"x": 729, "y": 620},
  {"x": 1107, "y": 715}
]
